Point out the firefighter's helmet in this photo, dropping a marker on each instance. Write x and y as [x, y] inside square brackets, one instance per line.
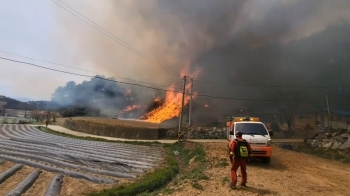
[238, 134]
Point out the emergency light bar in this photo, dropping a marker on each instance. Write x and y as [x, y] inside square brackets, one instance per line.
[253, 119]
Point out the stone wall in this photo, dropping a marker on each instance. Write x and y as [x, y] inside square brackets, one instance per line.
[200, 133]
[335, 140]
[117, 131]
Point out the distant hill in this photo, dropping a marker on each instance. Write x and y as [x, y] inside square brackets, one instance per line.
[22, 105]
[12, 103]
[24, 99]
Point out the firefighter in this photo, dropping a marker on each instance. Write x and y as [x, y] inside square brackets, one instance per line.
[240, 152]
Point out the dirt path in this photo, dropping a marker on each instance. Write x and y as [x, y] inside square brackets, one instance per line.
[289, 174]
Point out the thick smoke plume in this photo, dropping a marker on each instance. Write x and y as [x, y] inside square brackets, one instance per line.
[235, 42]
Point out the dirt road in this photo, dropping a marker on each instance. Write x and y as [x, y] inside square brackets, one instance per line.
[289, 174]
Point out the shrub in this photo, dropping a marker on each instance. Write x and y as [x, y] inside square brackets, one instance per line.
[338, 156]
[71, 112]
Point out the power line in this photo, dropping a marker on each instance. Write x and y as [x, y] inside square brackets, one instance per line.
[51, 62]
[164, 85]
[140, 85]
[83, 75]
[115, 38]
[262, 85]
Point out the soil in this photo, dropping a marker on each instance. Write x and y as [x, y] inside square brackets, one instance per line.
[41, 184]
[70, 187]
[289, 173]
[14, 180]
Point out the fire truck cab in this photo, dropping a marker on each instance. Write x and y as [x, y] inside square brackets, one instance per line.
[254, 132]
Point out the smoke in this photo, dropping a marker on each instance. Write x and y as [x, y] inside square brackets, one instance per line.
[233, 41]
[98, 96]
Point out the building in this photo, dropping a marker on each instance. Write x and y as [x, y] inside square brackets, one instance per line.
[17, 113]
[307, 115]
[11, 112]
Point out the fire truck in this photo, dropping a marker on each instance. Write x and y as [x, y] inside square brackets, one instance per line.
[254, 132]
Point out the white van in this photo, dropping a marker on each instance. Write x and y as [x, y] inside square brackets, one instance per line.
[254, 132]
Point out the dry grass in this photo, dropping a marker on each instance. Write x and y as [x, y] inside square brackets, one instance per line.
[108, 121]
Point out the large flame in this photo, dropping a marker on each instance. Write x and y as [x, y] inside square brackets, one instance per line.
[171, 106]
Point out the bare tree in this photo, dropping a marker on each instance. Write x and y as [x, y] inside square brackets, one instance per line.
[54, 113]
[36, 114]
[48, 115]
[287, 103]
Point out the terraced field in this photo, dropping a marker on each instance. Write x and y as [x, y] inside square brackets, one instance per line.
[33, 162]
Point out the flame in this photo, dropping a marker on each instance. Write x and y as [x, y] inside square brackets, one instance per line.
[129, 108]
[171, 106]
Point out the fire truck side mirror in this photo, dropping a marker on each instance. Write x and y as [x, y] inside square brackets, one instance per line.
[271, 133]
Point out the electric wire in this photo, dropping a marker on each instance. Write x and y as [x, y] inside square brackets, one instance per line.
[140, 85]
[105, 32]
[166, 84]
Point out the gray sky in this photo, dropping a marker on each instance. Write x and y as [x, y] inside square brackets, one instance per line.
[29, 28]
[174, 33]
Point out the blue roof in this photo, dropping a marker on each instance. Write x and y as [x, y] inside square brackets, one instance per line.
[335, 111]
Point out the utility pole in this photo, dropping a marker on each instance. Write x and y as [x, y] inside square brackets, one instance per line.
[190, 110]
[329, 113]
[182, 107]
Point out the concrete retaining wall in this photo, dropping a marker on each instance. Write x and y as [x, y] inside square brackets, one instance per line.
[117, 131]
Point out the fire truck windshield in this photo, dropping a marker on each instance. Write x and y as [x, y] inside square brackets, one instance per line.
[251, 129]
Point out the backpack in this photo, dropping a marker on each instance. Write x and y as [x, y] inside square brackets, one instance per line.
[242, 149]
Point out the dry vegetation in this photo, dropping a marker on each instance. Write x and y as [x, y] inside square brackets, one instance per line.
[108, 121]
